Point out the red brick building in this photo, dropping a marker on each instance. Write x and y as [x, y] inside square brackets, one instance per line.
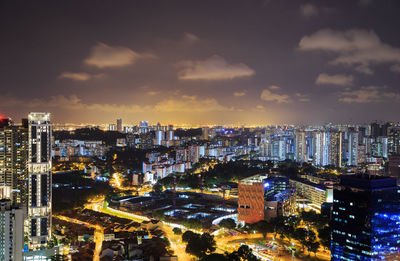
[251, 203]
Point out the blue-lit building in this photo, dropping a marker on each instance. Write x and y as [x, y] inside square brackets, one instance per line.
[365, 218]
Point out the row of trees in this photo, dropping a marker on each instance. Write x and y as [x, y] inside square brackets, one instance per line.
[289, 228]
[203, 246]
[309, 229]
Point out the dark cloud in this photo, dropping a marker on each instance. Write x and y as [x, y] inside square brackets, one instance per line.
[210, 62]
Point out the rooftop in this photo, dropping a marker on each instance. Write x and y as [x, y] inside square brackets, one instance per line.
[367, 181]
[259, 178]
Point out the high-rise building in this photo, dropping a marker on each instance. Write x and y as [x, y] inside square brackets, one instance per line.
[11, 231]
[159, 137]
[365, 218]
[301, 155]
[335, 149]
[119, 125]
[13, 159]
[112, 127]
[170, 134]
[143, 127]
[38, 222]
[352, 151]
[205, 133]
[321, 148]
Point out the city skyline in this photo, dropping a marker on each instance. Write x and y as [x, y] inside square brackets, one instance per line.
[248, 63]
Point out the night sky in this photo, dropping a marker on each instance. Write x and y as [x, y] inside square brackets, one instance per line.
[201, 62]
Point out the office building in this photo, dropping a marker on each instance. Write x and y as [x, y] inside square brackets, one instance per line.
[11, 231]
[365, 218]
[262, 198]
[394, 166]
[38, 222]
[312, 194]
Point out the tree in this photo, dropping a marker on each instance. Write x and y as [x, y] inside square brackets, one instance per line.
[215, 257]
[227, 223]
[58, 257]
[245, 253]
[313, 219]
[177, 231]
[313, 247]
[188, 235]
[307, 239]
[159, 214]
[300, 234]
[200, 245]
[324, 235]
[192, 223]
[263, 227]
[157, 188]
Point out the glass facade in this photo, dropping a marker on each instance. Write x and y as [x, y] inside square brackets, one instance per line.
[365, 218]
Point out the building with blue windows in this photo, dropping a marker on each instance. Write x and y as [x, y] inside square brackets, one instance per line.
[366, 218]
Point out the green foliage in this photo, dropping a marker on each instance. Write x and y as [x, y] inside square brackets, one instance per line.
[192, 223]
[214, 257]
[244, 253]
[288, 168]
[263, 227]
[159, 214]
[157, 188]
[227, 223]
[58, 257]
[188, 235]
[324, 235]
[199, 245]
[177, 231]
[66, 198]
[307, 239]
[313, 219]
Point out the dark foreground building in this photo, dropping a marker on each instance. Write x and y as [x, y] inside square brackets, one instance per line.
[366, 219]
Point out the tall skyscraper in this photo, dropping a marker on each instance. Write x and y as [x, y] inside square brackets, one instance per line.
[170, 135]
[11, 231]
[365, 218]
[205, 133]
[301, 155]
[335, 148]
[13, 159]
[159, 137]
[38, 222]
[119, 125]
[321, 148]
[352, 148]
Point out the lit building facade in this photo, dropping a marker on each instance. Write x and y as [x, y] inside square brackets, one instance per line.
[11, 231]
[13, 158]
[38, 222]
[365, 218]
[263, 198]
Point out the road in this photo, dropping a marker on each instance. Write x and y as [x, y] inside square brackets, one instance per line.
[176, 244]
[98, 234]
[224, 243]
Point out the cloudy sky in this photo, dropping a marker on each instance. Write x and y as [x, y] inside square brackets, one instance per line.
[201, 62]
